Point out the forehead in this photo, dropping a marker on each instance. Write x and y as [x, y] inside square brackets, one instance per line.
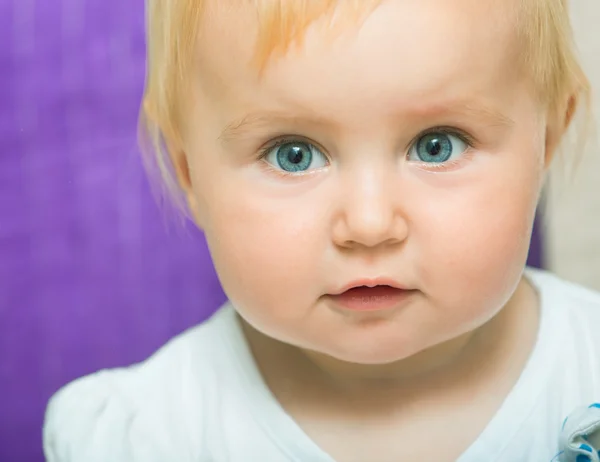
[403, 49]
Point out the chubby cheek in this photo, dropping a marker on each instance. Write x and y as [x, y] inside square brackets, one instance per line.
[266, 250]
[475, 244]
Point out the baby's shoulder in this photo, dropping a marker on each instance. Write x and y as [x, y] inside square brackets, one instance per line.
[577, 301]
[574, 386]
[145, 412]
[559, 294]
[571, 316]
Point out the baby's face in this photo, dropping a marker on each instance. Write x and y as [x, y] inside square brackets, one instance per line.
[410, 149]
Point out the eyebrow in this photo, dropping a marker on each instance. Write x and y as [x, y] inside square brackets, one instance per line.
[489, 114]
[263, 119]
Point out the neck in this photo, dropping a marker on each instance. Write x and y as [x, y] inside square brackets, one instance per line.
[421, 367]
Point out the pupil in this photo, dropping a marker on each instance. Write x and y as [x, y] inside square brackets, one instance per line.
[295, 155]
[434, 147]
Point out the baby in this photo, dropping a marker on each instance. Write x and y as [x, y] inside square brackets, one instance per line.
[366, 174]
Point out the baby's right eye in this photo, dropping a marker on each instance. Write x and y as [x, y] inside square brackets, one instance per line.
[295, 156]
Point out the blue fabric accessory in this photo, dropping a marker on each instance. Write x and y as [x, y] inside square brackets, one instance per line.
[580, 436]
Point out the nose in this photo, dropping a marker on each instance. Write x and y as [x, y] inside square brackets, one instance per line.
[370, 214]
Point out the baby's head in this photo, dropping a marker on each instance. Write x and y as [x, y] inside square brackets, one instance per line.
[320, 144]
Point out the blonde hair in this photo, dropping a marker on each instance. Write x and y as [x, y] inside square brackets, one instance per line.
[172, 28]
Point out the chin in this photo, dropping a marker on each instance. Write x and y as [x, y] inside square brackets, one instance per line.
[375, 354]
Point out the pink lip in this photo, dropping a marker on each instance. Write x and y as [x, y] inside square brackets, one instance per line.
[371, 295]
[369, 283]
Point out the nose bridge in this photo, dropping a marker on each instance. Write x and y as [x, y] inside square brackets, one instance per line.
[368, 186]
[370, 206]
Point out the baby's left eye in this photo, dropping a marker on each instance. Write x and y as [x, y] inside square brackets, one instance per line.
[437, 147]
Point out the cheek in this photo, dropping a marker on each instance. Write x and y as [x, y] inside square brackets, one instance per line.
[265, 249]
[478, 238]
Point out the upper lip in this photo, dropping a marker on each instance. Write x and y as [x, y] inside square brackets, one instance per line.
[369, 282]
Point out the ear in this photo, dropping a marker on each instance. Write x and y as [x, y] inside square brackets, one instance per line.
[181, 165]
[558, 122]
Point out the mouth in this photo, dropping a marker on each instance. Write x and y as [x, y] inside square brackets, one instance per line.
[371, 296]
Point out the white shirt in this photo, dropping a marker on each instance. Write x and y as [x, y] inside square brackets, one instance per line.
[201, 398]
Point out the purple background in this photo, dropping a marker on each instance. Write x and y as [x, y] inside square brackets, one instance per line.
[91, 273]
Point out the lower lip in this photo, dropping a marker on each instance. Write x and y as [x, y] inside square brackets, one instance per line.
[371, 298]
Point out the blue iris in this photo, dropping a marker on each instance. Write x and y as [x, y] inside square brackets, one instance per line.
[294, 157]
[434, 148]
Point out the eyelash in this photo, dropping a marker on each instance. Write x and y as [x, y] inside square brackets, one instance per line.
[469, 140]
[464, 136]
